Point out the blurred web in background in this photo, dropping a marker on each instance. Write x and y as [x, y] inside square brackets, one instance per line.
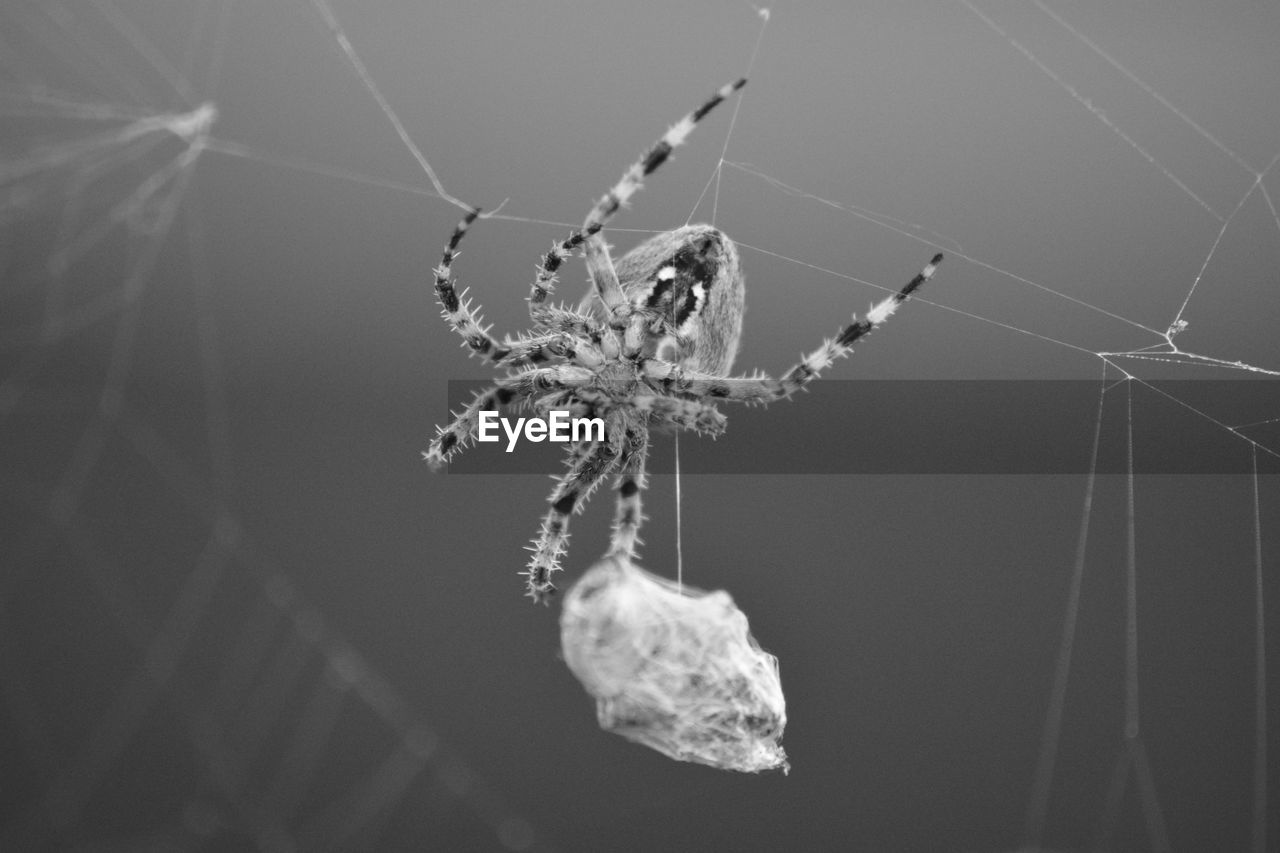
[104, 131]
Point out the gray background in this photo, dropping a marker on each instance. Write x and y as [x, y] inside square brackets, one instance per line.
[236, 609]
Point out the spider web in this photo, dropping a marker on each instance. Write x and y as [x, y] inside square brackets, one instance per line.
[235, 613]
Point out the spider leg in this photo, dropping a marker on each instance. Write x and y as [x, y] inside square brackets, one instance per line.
[702, 418]
[602, 274]
[605, 279]
[571, 322]
[632, 480]
[516, 388]
[454, 438]
[695, 415]
[539, 349]
[759, 388]
[465, 319]
[458, 312]
[589, 464]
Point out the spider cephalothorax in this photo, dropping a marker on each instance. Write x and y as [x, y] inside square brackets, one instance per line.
[650, 346]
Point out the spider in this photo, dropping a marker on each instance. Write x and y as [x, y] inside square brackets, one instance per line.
[650, 346]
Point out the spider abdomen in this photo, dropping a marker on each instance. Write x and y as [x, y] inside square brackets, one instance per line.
[690, 283]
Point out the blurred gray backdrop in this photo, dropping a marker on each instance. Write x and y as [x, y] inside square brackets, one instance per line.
[237, 612]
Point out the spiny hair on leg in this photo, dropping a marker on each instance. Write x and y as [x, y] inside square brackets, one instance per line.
[629, 184]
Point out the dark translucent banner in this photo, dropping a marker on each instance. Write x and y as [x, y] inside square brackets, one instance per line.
[950, 427]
